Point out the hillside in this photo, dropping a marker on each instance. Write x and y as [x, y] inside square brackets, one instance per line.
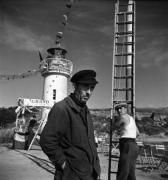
[150, 121]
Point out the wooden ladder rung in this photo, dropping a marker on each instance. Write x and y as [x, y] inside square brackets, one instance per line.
[124, 54]
[126, 12]
[123, 89]
[124, 43]
[122, 77]
[124, 22]
[121, 101]
[124, 33]
[129, 4]
[123, 65]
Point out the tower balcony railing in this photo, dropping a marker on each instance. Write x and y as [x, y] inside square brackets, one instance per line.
[56, 65]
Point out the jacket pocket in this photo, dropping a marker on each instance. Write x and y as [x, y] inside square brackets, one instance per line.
[69, 174]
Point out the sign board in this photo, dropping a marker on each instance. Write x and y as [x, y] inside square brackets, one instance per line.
[33, 102]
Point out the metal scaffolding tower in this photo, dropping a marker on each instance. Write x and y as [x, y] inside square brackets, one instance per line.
[123, 67]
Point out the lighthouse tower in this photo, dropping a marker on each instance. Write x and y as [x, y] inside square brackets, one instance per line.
[56, 70]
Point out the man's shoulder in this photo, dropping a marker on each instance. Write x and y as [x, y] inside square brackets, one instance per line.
[62, 103]
[125, 118]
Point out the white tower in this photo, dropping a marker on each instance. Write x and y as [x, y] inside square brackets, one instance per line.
[55, 69]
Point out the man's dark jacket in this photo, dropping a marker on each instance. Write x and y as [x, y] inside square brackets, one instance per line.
[68, 136]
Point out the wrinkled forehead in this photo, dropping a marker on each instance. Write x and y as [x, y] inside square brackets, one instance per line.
[85, 85]
[88, 85]
[121, 107]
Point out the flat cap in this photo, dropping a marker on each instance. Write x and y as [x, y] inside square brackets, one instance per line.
[121, 105]
[84, 77]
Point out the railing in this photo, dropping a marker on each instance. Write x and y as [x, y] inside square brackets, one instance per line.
[56, 64]
[153, 156]
[104, 149]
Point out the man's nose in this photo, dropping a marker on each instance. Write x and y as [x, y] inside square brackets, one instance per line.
[89, 90]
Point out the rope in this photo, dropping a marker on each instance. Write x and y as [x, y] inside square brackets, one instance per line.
[65, 17]
[20, 75]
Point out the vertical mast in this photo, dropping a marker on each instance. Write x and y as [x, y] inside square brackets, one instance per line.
[123, 65]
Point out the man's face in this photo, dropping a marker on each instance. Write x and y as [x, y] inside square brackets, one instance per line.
[122, 110]
[83, 92]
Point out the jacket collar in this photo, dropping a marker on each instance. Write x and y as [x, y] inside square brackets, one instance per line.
[73, 105]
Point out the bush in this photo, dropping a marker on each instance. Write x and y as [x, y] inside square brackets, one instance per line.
[6, 135]
[7, 116]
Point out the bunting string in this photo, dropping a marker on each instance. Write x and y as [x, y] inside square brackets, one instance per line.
[19, 75]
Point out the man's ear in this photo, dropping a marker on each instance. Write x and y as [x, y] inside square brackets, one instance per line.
[74, 85]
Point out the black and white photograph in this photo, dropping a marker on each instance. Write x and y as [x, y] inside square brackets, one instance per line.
[83, 90]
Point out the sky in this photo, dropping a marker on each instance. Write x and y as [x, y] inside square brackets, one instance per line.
[29, 26]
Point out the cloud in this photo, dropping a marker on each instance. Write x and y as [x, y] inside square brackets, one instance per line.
[22, 38]
[152, 48]
[91, 18]
[151, 57]
[106, 29]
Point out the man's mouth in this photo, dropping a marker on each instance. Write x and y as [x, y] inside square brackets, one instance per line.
[85, 98]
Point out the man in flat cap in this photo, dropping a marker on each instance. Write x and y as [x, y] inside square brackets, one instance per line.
[68, 136]
[128, 148]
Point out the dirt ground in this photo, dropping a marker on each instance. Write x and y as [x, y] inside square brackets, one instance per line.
[34, 165]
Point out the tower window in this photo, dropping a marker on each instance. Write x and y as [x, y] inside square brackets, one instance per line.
[54, 94]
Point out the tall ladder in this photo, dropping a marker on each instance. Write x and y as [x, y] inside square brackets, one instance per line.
[123, 67]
